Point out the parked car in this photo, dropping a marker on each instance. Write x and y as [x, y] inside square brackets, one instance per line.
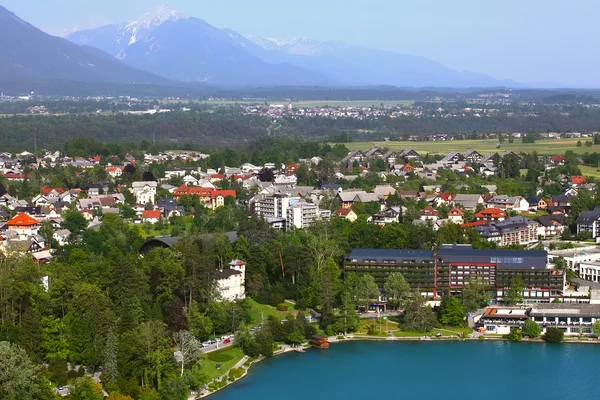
[217, 340]
[227, 341]
[205, 344]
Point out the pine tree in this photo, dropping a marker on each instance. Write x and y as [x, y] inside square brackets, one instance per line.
[110, 357]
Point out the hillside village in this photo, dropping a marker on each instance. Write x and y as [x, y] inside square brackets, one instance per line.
[464, 189]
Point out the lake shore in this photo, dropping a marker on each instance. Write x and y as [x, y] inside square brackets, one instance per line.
[366, 338]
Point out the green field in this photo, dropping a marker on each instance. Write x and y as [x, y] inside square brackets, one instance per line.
[543, 147]
[350, 103]
[589, 171]
[227, 358]
[314, 103]
[259, 311]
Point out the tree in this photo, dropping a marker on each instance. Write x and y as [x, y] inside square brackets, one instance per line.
[596, 328]
[47, 232]
[367, 290]
[396, 289]
[74, 222]
[110, 370]
[418, 316]
[473, 295]
[452, 312]
[531, 329]
[85, 388]
[17, 374]
[514, 295]
[188, 347]
[515, 335]
[118, 396]
[554, 335]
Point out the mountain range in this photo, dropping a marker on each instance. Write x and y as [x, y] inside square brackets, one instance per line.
[165, 47]
[168, 44]
[28, 54]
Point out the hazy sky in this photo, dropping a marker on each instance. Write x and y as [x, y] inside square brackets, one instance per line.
[531, 41]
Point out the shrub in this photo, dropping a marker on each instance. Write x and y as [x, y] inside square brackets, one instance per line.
[282, 307]
[554, 335]
[481, 337]
[515, 335]
[531, 329]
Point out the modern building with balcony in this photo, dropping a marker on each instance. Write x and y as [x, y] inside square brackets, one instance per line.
[447, 270]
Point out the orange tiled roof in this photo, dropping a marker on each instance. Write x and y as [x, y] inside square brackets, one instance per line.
[23, 219]
[151, 214]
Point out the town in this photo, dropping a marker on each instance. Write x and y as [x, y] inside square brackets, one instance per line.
[321, 238]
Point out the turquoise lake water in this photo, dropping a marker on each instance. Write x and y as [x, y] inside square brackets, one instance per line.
[432, 370]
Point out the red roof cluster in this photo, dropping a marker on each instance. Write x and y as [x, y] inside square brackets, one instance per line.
[577, 179]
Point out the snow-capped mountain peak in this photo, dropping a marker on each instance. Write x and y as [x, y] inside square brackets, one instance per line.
[139, 28]
[157, 17]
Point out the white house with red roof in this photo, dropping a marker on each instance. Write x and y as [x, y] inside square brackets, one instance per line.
[23, 225]
[152, 216]
[428, 213]
[456, 215]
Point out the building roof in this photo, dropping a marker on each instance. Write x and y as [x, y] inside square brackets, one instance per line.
[388, 254]
[226, 273]
[562, 309]
[429, 212]
[511, 259]
[456, 212]
[588, 217]
[491, 213]
[22, 219]
[151, 214]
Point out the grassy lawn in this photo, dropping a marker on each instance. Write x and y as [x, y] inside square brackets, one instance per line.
[589, 171]
[446, 331]
[543, 147]
[227, 358]
[257, 311]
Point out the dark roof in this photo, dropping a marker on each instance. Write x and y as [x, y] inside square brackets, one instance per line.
[510, 259]
[533, 199]
[546, 220]
[388, 254]
[504, 259]
[330, 186]
[226, 273]
[588, 217]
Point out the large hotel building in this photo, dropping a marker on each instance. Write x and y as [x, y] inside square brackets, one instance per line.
[446, 271]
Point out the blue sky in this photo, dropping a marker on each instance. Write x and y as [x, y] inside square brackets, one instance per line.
[531, 41]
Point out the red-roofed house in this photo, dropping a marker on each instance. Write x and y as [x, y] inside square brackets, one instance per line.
[407, 167]
[115, 172]
[428, 213]
[490, 214]
[214, 178]
[211, 198]
[577, 180]
[24, 225]
[444, 199]
[456, 215]
[558, 160]
[291, 167]
[152, 216]
[52, 192]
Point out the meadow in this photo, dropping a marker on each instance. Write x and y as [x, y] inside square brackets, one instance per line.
[484, 146]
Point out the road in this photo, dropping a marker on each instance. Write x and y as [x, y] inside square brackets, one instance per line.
[217, 346]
